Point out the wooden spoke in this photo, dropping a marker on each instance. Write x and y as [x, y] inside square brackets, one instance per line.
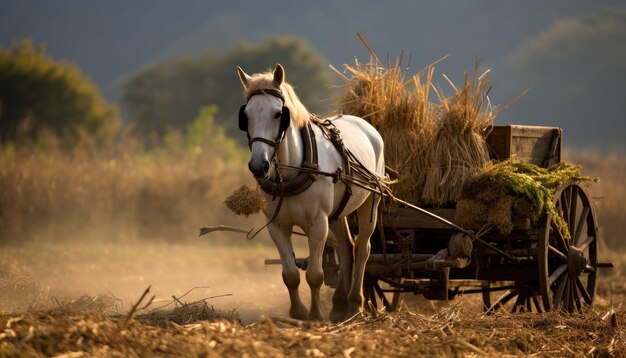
[565, 204]
[570, 302]
[583, 290]
[581, 222]
[374, 293]
[560, 240]
[566, 295]
[558, 272]
[556, 251]
[559, 292]
[381, 294]
[583, 245]
[537, 305]
[572, 208]
[519, 303]
[576, 296]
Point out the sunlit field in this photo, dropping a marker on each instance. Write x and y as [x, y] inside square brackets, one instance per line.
[97, 229]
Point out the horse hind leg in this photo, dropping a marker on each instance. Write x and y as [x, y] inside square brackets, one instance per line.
[341, 233]
[291, 274]
[367, 223]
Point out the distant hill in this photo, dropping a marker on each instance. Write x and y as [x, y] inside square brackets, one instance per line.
[114, 38]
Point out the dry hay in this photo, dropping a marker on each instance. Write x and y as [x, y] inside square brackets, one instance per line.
[458, 151]
[485, 202]
[245, 201]
[513, 189]
[452, 331]
[399, 109]
[435, 147]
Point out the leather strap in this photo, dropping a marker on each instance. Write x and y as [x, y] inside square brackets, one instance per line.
[334, 135]
[303, 180]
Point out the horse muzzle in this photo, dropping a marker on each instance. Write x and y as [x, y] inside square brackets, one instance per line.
[259, 168]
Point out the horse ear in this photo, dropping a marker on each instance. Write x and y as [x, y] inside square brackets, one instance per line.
[279, 75]
[243, 77]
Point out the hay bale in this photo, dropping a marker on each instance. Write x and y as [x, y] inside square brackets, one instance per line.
[523, 208]
[500, 215]
[246, 201]
[484, 188]
[471, 213]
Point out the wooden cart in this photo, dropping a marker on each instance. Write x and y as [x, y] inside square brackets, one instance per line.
[535, 268]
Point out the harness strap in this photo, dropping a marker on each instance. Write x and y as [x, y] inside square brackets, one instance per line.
[303, 180]
[332, 133]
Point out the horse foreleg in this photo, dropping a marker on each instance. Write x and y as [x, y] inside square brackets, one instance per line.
[367, 224]
[345, 252]
[291, 276]
[317, 231]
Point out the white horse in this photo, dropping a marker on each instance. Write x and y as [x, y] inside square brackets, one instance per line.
[273, 118]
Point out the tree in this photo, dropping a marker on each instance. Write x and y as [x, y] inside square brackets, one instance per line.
[37, 93]
[168, 95]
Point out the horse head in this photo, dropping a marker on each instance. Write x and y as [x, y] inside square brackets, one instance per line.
[264, 117]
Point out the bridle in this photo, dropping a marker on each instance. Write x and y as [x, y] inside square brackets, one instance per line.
[285, 120]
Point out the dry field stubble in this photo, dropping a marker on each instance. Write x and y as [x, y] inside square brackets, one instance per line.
[40, 279]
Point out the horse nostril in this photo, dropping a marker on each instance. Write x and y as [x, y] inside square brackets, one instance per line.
[250, 167]
[266, 166]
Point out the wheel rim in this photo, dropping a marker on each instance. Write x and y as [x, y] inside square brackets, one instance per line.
[568, 267]
[379, 296]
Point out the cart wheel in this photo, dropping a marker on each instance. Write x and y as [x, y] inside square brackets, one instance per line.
[380, 296]
[517, 298]
[568, 267]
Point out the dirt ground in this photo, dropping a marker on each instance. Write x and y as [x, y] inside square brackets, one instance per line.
[74, 299]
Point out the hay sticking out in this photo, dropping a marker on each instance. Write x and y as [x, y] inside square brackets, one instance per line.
[245, 201]
[399, 109]
[458, 150]
[435, 147]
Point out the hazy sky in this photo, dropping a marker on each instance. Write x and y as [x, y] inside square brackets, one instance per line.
[572, 53]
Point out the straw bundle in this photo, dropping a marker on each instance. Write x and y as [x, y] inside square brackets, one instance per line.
[399, 109]
[458, 151]
[435, 147]
[245, 201]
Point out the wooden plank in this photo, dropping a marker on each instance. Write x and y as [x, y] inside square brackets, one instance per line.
[405, 218]
[533, 144]
[498, 141]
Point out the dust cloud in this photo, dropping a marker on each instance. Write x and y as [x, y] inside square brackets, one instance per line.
[41, 274]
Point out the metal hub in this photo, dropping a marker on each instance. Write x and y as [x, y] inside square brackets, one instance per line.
[576, 261]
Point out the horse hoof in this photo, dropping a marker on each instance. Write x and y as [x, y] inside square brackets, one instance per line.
[353, 310]
[337, 316]
[299, 312]
[316, 316]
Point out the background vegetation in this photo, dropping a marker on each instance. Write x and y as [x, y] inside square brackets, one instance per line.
[166, 96]
[38, 94]
[71, 172]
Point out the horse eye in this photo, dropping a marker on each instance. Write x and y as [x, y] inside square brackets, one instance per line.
[277, 115]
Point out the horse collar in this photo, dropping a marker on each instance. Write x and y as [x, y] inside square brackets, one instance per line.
[302, 181]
